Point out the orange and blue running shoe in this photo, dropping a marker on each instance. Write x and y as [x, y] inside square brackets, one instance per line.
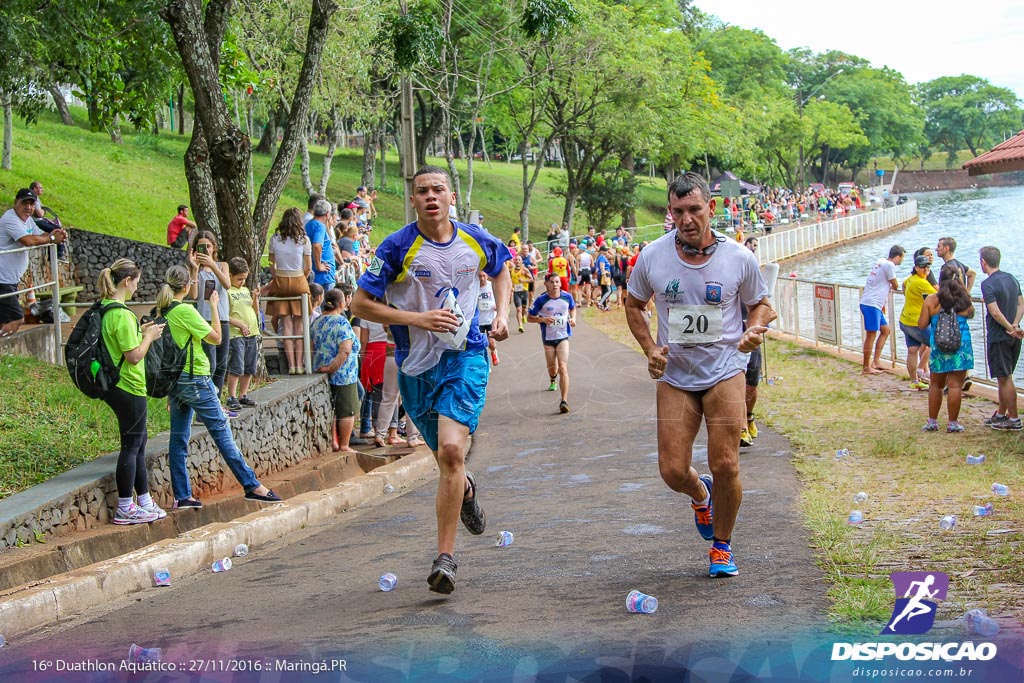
[722, 563]
[703, 515]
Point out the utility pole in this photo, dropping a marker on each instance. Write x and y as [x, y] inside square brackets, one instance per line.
[407, 152]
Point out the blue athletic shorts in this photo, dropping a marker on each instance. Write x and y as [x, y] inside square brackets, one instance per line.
[874, 319]
[456, 388]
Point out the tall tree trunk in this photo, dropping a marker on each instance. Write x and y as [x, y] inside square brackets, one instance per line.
[307, 182]
[529, 182]
[181, 109]
[370, 138]
[334, 132]
[115, 130]
[383, 147]
[61, 104]
[629, 213]
[268, 141]
[5, 158]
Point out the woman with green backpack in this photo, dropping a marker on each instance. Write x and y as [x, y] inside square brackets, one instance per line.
[127, 345]
[194, 392]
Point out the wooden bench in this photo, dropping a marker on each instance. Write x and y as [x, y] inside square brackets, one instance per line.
[68, 295]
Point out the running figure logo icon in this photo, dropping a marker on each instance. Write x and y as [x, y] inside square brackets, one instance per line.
[914, 611]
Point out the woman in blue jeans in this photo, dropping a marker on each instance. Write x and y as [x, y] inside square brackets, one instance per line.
[196, 393]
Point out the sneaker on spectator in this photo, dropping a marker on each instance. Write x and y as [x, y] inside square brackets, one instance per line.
[233, 404]
[1009, 424]
[134, 515]
[995, 418]
[246, 401]
[930, 426]
[154, 509]
[230, 414]
[954, 427]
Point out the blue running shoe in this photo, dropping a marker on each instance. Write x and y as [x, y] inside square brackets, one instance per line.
[702, 514]
[722, 563]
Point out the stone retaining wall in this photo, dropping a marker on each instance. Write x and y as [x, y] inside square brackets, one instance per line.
[292, 423]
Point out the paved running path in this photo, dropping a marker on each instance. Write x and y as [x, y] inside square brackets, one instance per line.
[592, 520]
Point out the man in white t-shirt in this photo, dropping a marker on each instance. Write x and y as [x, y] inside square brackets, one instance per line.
[698, 279]
[881, 280]
[487, 309]
[555, 310]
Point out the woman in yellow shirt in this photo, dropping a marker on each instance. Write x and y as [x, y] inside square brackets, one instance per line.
[916, 289]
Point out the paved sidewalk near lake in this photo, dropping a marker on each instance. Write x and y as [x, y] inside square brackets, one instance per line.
[592, 520]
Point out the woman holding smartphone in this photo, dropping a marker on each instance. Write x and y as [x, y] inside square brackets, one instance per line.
[127, 345]
[209, 276]
[195, 393]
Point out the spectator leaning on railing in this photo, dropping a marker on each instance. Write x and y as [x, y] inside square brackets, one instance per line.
[17, 230]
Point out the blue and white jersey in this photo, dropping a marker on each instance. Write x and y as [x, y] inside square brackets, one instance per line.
[413, 273]
[546, 307]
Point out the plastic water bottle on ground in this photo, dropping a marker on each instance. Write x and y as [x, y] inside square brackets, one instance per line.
[505, 539]
[387, 582]
[222, 565]
[3, 641]
[983, 510]
[241, 550]
[842, 452]
[855, 518]
[138, 654]
[162, 577]
[979, 622]
[976, 459]
[947, 522]
[641, 603]
[1001, 489]
[860, 497]
[388, 488]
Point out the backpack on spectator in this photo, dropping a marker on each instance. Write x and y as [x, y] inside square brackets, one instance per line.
[947, 332]
[86, 357]
[165, 360]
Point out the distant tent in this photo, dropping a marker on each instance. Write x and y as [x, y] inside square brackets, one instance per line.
[745, 187]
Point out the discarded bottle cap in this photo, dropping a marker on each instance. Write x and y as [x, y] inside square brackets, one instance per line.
[241, 550]
[860, 497]
[162, 577]
[641, 603]
[139, 654]
[947, 522]
[388, 488]
[505, 539]
[222, 565]
[387, 582]
[856, 517]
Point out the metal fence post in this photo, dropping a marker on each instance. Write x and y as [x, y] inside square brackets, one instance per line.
[305, 334]
[58, 356]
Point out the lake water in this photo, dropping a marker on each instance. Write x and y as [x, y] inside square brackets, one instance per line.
[974, 218]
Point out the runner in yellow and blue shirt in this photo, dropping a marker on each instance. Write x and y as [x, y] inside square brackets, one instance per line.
[424, 283]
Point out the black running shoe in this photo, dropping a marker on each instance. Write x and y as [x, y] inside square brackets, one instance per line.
[442, 574]
[472, 515]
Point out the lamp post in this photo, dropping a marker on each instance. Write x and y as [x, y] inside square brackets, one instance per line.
[804, 101]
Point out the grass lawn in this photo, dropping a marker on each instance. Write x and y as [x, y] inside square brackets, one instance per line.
[47, 426]
[912, 479]
[132, 190]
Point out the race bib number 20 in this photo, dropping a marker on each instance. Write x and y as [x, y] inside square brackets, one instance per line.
[697, 324]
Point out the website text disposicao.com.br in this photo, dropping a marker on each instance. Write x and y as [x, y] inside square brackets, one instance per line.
[908, 672]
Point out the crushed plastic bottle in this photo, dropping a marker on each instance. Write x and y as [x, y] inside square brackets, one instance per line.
[1001, 489]
[641, 603]
[947, 522]
[855, 518]
[222, 565]
[161, 577]
[976, 459]
[241, 550]
[505, 539]
[842, 452]
[860, 497]
[387, 582]
[138, 654]
[978, 621]
[3, 641]
[983, 510]
[388, 488]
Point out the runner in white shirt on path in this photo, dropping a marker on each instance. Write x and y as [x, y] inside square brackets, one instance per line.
[555, 310]
[486, 311]
[698, 279]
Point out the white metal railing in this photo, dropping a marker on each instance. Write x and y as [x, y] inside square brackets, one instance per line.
[794, 301]
[305, 336]
[54, 285]
[813, 236]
